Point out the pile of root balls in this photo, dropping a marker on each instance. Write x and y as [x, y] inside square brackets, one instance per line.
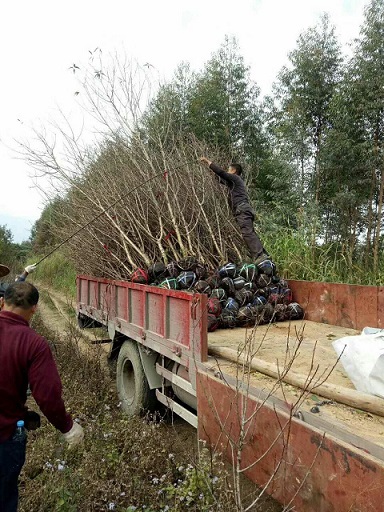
[238, 295]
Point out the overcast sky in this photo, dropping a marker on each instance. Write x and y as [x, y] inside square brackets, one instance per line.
[40, 40]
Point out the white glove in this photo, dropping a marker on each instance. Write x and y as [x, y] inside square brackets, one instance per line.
[30, 268]
[75, 436]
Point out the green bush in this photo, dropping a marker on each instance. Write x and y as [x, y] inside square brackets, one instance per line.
[297, 258]
[57, 272]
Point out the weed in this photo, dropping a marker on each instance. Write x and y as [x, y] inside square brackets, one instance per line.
[195, 487]
[44, 295]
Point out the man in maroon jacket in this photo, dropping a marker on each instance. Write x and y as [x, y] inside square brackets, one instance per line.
[25, 357]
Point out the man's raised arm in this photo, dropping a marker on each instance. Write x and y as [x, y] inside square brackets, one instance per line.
[219, 171]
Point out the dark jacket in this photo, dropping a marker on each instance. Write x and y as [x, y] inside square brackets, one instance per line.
[4, 286]
[237, 190]
[26, 357]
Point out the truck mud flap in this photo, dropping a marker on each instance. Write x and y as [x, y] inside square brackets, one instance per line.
[86, 322]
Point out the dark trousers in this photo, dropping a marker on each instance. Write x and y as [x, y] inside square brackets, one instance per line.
[12, 458]
[245, 221]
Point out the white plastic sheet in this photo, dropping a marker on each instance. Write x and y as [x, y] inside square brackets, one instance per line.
[362, 357]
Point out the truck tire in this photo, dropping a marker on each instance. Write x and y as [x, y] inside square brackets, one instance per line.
[132, 385]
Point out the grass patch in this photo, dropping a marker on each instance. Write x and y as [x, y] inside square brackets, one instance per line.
[68, 309]
[56, 272]
[297, 258]
[46, 298]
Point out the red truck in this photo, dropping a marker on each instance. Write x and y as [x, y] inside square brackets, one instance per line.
[307, 453]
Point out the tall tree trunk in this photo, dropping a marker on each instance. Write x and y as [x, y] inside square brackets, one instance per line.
[317, 178]
[378, 223]
[368, 243]
[371, 196]
[326, 234]
[318, 142]
[352, 237]
[302, 178]
[379, 199]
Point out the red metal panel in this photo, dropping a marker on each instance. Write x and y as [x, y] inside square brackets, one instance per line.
[322, 300]
[154, 313]
[82, 290]
[316, 473]
[365, 300]
[94, 294]
[167, 320]
[199, 327]
[136, 307]
[121, 295]
[308, 295]
[380, 307]
[352, 306]
[345, 302]
[105, 298]
[178, 321]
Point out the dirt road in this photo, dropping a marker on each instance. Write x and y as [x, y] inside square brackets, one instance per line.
[58, 314]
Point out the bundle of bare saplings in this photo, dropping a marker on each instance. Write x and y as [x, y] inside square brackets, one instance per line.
[239, 295]
[143, 203]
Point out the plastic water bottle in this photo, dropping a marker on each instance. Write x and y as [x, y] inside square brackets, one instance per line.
[20, 434]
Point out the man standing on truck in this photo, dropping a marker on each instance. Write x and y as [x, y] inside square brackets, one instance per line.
[25, 357]
[241, 207]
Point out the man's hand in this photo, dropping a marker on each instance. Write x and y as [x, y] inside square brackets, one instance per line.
[205, 161]
[30, 268]
[75, 436]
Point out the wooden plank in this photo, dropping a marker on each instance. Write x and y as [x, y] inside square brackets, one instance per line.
[351, 397]
[329, 426]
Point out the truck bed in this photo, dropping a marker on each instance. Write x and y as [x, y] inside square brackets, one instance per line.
[277, 343]
[342, 470]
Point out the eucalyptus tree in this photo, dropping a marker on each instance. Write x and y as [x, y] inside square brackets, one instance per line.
[303, 93]
[352, 159]
[224, 107]
[366, 77]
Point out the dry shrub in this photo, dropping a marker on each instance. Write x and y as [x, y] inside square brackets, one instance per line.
[180, 212]
[141, 192]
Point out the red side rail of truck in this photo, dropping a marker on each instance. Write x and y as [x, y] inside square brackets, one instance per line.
[171, 322]
[162, 344]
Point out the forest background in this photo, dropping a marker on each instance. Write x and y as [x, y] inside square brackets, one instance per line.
[312, 150]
